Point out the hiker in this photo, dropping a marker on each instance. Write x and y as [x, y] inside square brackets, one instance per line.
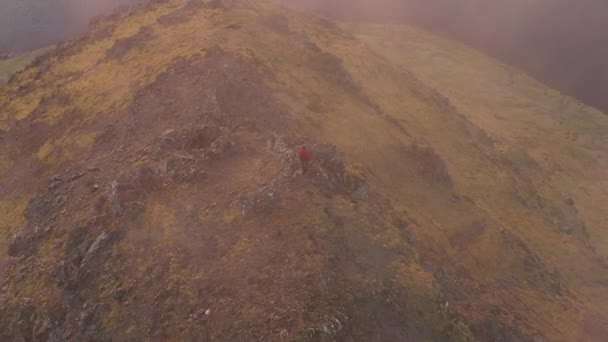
[305, 157]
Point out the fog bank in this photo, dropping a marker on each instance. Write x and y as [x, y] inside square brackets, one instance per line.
[31, 24]
[563, 43]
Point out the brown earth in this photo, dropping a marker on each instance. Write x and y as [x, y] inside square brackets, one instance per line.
[150, 191]
[254, 249]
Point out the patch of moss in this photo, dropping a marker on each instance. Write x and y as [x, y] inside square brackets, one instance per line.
[521, 158]
[231, 214]
[241, 248]
[162, 216]
[5, 163]
[13, 65]
[580, 155]
[205, 215]
[11, 214]
[66, 148]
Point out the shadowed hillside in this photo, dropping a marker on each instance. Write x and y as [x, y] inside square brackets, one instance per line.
[150, 187]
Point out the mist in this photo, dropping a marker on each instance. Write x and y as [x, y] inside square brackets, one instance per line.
[31, 24]
[563, 43]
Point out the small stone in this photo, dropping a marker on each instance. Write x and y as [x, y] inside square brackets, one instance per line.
[60, 200]
[207, 312]
[93, 248]
[77, 176]
[54, 183]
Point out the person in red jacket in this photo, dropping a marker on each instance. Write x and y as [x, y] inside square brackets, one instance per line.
[305, 157]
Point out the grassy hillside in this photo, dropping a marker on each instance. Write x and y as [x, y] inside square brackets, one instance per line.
[539, 130]
[556, 147]
[150, 187]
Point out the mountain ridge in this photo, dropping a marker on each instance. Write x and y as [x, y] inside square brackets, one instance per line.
[162, 197]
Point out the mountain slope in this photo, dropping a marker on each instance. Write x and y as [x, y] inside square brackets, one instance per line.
[150, 190]
[555, 146]
[557, 41]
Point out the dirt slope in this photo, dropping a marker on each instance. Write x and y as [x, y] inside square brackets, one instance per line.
[150, 190]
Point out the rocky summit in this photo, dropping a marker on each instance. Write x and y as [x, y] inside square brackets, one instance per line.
[150, 187]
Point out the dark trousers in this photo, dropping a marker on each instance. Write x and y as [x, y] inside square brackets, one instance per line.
[304, 165]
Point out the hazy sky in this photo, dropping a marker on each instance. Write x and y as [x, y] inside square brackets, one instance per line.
[30, 24]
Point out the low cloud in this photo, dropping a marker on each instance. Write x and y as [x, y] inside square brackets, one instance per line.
[31, 24]
[561, 42]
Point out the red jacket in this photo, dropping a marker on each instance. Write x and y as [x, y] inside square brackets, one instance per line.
[305, 154]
